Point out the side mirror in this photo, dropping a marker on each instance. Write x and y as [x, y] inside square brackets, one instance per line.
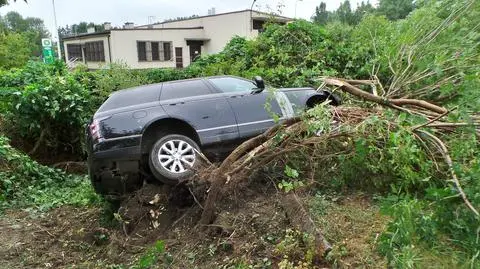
[259, 82]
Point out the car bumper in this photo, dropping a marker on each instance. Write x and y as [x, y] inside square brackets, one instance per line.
[115, 170]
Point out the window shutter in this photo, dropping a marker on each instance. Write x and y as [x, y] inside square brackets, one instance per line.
[167, 51]
[142, 51]
[155, 51]
[149, 51]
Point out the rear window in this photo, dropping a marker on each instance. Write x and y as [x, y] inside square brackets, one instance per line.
[135, 96]
[184, 89]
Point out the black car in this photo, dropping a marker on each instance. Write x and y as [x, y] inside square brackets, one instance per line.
[161, 129]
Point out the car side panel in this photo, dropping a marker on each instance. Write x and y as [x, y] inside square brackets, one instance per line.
[252, 116]
[124, 128]
[210, 115]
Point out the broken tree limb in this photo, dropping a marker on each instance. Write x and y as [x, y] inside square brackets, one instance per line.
[344, 85]
[300, 219]
[432, 120]
[449, 162]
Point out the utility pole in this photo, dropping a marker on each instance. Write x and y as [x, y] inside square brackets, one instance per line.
[251, 15]
[296, 1]
[56, 30]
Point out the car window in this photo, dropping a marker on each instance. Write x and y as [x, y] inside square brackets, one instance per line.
[135, 96]
[229, 84]
[183, 89]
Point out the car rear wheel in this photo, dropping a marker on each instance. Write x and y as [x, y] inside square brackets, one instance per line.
[173, 157]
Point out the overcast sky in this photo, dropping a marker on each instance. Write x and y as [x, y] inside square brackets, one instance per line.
[139, 11]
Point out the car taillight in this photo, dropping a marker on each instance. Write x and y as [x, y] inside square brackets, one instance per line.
[95, 130]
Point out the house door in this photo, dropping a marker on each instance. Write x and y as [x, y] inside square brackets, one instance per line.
[195, 49]
[179, 57]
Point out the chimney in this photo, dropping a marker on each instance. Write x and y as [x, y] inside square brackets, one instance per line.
[107, 26]
[128, 25]
[90, 30]
[211, 11]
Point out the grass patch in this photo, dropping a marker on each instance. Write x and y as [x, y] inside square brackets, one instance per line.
[352, 225]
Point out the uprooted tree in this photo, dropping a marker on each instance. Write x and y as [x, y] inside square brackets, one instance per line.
[323, 136]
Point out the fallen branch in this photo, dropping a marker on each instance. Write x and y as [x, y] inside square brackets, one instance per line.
[431, 121]
[449, 162]
[344, 85]
[301, 220]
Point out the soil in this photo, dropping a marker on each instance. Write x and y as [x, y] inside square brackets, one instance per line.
[248, 231]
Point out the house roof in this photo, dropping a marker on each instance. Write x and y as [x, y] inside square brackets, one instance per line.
[77, 36]
[107, 32]
[220, 14]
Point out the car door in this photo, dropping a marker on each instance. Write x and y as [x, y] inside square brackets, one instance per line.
[253, 116]
[206, 110]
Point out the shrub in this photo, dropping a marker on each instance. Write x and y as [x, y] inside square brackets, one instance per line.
[24, 182]
[45, 104]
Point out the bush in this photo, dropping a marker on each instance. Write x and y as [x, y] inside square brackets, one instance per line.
[101, 83]
[15, 50]
[24, 182]
[45, 104]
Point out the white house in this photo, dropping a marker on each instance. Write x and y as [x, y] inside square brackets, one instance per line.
[168, 44]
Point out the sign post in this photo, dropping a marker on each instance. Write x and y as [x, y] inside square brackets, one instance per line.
[47, 50]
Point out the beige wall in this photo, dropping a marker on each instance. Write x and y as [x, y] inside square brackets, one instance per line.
[83, 40]
[220, 28]
[217, 31]
[124, 45]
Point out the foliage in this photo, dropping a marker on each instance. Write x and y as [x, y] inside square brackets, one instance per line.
[296, 249]
[292, 55]
[153, 255]
[395, 9]
[425, 56]
[15, 50]
[344, 13]
[79, 28]
[399, 43]
[321, 14]
[45, 99]
[5, 2]
[30, 27]
[103, 82]
[24, 182]
[387, 159]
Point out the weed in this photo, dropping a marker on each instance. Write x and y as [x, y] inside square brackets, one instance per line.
[153, 255]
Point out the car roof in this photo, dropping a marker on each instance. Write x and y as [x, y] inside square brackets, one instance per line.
[171, 81]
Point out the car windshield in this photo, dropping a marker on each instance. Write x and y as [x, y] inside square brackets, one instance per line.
[230, 84]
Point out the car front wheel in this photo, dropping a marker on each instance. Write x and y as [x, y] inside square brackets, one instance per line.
[173, 157]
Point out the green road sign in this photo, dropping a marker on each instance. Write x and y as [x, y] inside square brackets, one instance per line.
[48, 56]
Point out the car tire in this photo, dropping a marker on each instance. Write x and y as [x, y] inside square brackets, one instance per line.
[173, 157]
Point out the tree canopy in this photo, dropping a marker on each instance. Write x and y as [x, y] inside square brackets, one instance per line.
[347, 14]
[20, 38]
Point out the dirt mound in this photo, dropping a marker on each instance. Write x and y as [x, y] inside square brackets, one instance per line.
[154, 209]
[251, 229]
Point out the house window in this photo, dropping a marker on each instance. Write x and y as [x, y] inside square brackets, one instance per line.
[258, 25]
[94, 51]
[149, 51]
[74, 52]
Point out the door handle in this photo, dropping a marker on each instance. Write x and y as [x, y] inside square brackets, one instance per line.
[235, 96]
[174, 104]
